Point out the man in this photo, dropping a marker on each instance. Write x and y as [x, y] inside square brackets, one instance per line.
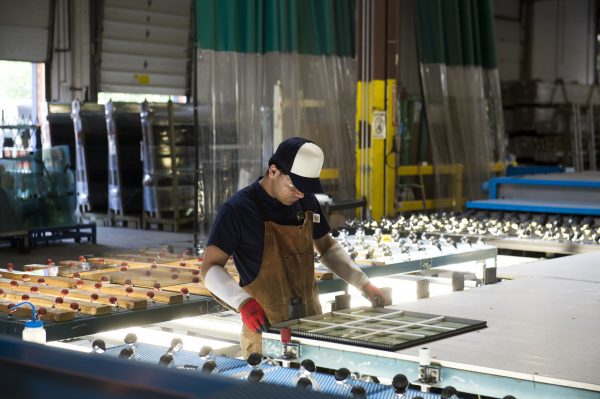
[271, 228]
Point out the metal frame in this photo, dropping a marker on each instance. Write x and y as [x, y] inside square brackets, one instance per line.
[337, 284]
[496, 181]
[367, 330]
[531, 245]
[559, 181]
[75, 232]
[166, 204]
[533, 206]
[124, 194]
[120, 318]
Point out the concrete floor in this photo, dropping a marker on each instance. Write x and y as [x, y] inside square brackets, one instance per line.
[109, 240]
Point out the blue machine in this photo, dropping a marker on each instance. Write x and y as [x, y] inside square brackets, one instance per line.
[531, 170]
[560, 193]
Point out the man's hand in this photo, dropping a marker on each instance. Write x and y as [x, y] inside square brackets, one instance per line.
[254, 316]
[374, 294]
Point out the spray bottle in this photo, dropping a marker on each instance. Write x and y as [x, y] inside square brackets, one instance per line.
[34, 329]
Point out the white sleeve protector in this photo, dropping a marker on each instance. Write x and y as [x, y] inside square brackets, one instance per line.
[338, 261]
[221, 284]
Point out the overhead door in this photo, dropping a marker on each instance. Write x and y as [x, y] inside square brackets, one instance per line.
[24, 30]
[144, 47]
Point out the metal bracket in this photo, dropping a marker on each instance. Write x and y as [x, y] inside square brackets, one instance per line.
[290, 351]
[425, 264]
[429, 375]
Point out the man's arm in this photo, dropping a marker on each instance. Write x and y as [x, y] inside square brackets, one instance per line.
[222, 285]
[213, 256]
[338, 261]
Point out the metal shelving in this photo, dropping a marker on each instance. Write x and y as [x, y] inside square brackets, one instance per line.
[124, 162]
[91, 147]
[169, 157]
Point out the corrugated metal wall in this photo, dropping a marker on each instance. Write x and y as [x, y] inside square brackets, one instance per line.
[509, 46]
[563, 41]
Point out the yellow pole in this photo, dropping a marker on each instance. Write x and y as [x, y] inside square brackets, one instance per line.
[375, 159]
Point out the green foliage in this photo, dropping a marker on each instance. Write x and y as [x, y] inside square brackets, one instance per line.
[15, 82]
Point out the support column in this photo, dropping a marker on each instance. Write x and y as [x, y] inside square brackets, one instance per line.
[375, 118]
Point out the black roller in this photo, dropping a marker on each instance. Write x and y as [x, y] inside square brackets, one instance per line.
[205, 351]
[342, 374]
[308, 365]
[130, 339]
[209, 366]
[165, 360]
[358, 392]
[99, 346]
[126, 353]
[400, 382]
[509, 397]
[256, 375]
[254, 359]
[417, 397]
[304, 383]
[448, 391]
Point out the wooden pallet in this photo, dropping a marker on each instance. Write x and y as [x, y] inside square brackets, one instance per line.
[50, 314]
[157, 295]
[75, 294]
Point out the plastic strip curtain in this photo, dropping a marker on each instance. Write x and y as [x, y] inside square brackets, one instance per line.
[365, 183]
[236, 96]
[461, 90]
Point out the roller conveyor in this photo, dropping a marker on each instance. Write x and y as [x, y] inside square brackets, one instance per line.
[526, 231]
[272, 374]
[37, 372]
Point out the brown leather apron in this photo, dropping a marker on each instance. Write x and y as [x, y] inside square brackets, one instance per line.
[286, 272]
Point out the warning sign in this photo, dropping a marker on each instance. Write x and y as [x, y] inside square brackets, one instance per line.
[378, 125]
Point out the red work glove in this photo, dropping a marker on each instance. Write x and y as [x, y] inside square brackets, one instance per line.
[254, 316]
[374, 294]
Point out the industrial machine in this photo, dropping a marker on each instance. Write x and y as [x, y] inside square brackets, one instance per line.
[502, 335]
[556, 193]
[537, 343]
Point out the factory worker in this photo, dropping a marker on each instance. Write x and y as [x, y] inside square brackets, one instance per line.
[270, 228]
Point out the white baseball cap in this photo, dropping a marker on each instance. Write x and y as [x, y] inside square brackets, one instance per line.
[302, 160]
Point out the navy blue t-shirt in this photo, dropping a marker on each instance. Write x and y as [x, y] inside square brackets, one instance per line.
[239, 227]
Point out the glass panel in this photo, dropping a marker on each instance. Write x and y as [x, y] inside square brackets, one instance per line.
[379, 328]
[37, 189]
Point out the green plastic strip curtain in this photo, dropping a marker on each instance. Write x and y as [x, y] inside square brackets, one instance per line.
[457, 32]
[318, 27]
[461, 88]
[273, 65]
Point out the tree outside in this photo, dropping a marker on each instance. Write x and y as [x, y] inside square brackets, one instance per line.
[15, 90]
